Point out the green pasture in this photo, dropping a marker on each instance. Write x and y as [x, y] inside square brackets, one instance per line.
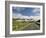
[25, 25]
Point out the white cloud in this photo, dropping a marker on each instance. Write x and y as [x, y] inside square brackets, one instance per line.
[36, 11]
[16, 15]
[36, 18]
[19, 9]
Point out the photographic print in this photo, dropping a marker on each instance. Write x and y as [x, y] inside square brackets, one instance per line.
[24, 18]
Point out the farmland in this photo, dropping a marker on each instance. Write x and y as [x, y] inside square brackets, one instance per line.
[25, 25]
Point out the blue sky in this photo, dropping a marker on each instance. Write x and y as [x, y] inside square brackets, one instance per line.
[25, 11]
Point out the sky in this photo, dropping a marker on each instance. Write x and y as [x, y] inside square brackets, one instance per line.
[25, 11]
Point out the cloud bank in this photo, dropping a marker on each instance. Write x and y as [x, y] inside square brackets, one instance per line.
[35, 11]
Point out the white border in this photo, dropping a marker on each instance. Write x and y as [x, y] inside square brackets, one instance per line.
[30, 31]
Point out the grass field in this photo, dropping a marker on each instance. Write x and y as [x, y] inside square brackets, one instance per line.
[25, 25]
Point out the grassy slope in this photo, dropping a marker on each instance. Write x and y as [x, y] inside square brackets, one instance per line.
[23, 25]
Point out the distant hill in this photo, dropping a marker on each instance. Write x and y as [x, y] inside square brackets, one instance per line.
[36, 18]
[38, 21]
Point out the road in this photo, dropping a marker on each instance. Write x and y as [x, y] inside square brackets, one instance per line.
[30, 26]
